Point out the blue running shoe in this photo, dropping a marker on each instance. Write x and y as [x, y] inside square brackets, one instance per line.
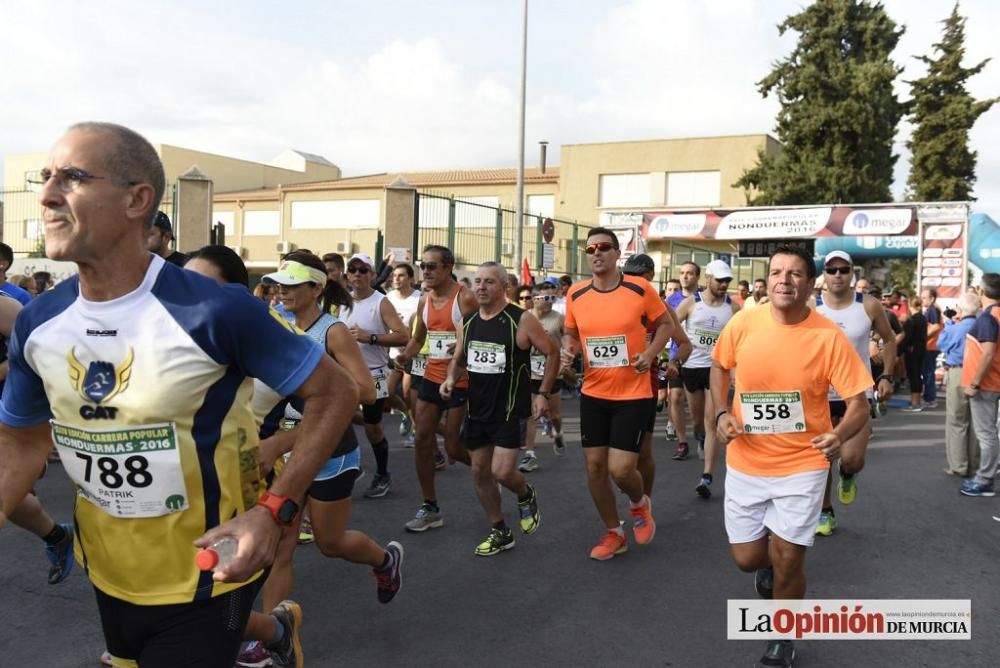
[60, 556]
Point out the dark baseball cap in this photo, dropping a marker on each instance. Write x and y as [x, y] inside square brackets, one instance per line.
[161, 221]
[639, 264]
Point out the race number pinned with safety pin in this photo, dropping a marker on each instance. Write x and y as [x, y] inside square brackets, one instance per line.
[772, 412]
[604, 352]
[538, 365]
[380, 377]
[486, 357]
[441, 345]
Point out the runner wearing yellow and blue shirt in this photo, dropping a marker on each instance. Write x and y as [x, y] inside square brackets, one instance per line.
[142, 373]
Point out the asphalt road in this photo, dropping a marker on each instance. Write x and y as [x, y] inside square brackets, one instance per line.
[909, 535]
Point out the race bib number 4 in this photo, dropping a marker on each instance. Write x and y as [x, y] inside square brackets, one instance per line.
[441, 344]
[607, 351]
[772, 412]
[486, 357]
[380, 377]
[130, 473]
[418, 365]
[538, 365]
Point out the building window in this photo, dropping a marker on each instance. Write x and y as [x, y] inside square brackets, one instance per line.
[336, 214]
[621, 190]
[261, 223]
[694, 189]
[228, 220]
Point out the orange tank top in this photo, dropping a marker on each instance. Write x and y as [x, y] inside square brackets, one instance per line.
[442, 334]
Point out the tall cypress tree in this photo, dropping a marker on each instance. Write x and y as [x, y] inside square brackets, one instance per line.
[838, 110]
[943, 168]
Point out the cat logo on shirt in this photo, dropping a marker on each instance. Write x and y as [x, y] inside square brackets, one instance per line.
[99, 383]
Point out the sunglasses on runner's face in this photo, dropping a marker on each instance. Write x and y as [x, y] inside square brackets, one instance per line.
[428, 266]
[838, 270]
[524, 297]
[357, 269]
[602, 246]
[545, 298]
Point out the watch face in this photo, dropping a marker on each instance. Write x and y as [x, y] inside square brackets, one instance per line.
[287, 511]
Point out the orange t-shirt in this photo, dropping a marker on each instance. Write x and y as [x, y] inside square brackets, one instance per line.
[986, 330]
[611, 329]
[783, 373]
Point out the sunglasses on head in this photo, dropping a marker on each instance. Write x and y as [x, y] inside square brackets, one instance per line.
[428, 266]
[357, 269]
[838, 270]
[601, 246]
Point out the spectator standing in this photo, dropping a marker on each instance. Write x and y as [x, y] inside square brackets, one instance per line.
[6, 287]
[981, 383]
[914, 349]
[928, 297]
[961, 444]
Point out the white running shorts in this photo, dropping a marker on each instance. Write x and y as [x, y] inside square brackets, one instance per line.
[787, 505]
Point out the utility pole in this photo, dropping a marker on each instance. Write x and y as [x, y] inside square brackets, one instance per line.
[519, 215]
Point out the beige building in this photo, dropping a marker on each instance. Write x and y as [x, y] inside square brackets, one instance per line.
[21, 215]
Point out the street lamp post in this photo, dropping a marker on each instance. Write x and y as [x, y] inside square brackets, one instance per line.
[519, 209]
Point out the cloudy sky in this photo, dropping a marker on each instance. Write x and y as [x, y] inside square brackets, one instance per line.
[388, 85]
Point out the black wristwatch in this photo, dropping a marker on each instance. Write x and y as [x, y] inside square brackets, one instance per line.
[884, 376]
[546, 393]
[373, 339]
[718, 415]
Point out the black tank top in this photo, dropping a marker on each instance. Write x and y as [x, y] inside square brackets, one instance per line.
[499, 388]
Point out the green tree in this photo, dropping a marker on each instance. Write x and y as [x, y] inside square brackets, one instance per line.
[838, 112]
[943, 168]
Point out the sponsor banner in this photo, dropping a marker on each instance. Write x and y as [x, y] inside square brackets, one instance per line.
[849, 619]
[943, 254]
[774, 223]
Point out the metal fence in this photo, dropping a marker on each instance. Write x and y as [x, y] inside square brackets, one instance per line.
[478, 232]
[21, 225]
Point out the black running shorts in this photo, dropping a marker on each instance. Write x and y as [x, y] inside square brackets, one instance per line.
[431, 393]
[615, 424]
[502, 434]
[200, 634]
[695, 379]
[372, 413]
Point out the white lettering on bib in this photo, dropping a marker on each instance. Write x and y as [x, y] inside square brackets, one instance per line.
[486, 357]
[380, 377]
[606, 351]
[418, 365]
[441, 345]
[130, 472]
[772, 412]
[538, 365]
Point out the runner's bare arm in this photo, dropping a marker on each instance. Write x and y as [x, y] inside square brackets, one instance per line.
[331, 397]
[570, 347]
[9, 308]
[340, 344]
[398, 335]
[664, 327]
[680, 337]
[726, 425]
[855, 419]
[880, 323]
[467, 301]
[531, 333]
[23, 451]
[273, 447]
[416, 341]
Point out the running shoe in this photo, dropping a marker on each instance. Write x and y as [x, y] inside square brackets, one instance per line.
[659, 406]
[558, 445]
[411, 440]
[388, 582]
[60, 556]
[682, 451]
[929, 404]
[778, 653]
[847, 489]
[379, 487]
[671, 433]
[912, 409]
[973, 488]
[497, 541]
[610, 545]
[405, 425]
[426, 518]
[530, 517]
[440, 463]
[701, 446]
[528, 464]
[288, 652]
[827, 524]
[253, 655]
[643, 524]
[546, 426]
[763, 582]
[306, 532]
[704, 488]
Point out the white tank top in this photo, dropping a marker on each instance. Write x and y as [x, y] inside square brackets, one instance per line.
[366, 314]
[406, 307]
[703, 326]
[857, 326]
